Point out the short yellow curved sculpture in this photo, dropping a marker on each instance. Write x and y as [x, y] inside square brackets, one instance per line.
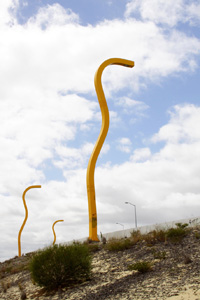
[99, 143]
[26, 216]
[54, 230]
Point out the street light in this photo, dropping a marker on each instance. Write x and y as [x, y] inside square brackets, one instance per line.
[135, 213]
[122, 226]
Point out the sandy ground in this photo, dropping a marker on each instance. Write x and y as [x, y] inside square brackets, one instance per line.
[175, 277]
[189, 294]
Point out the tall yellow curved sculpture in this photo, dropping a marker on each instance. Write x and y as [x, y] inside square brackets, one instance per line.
[26, 216]
[99, 143]
[54, 230]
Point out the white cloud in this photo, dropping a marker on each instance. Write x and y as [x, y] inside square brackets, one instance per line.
[70, 158]
[37, 125]
[166, 187]
[65, 58]
[168, 176]
[8, 12]
[30, 132]
[73, 157]
[157, 11]
[124, 145]
[53, 15]
[194, 13]
[135, 109]
[165, 12]
[125, 141]
[175, 132]
[141, 154]
[131, 106]
[105, 148]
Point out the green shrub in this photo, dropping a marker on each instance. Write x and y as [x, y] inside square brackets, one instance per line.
[141, 266]
[118, 245]
[151, 238]
[197, 235]
[58, 266]
[178, 233]
[136, 236]
[159, 254]
[160, 235]
[94, 247]
[180, 225]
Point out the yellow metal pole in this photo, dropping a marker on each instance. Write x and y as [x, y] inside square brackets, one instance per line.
[99, 142]
[54, 230]
[26, 216]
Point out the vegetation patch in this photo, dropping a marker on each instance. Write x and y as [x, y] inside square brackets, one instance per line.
[159, 235]
[59, 266]
[141, 266]
[136, 236]
[178, 233]
[197, 235]
[94, 247]
[159, 254]
[118, 245]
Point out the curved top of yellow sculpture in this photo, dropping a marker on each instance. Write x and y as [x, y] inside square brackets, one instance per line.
[99, 143]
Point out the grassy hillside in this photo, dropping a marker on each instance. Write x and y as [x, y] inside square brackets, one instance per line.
[157, 265]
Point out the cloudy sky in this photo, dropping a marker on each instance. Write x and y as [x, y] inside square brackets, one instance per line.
[50, 117]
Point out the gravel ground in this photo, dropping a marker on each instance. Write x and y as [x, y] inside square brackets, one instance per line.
[175, 277]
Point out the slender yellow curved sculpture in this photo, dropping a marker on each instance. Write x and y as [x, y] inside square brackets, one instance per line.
[54, 230]
[99, 142]
[26, 216]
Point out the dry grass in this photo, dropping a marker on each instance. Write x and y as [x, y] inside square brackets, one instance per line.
[162, 255]
[118, 244]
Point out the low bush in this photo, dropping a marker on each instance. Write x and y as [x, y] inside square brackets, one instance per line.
[141, 266]
[159, 254]
[178, 233]
[118, 245]
[136, 236]
[151, 238]
[94, 247]
[59, 266]
[160, 235]
[180, 225]
[197, 235]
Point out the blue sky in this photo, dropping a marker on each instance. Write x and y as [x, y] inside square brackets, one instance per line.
[90, 12]
[50, 117]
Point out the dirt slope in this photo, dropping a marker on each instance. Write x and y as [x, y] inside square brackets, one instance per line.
[175, 274]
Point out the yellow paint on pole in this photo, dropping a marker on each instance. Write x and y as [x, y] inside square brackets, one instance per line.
[54, 230]
[26, 216]
[99, 143]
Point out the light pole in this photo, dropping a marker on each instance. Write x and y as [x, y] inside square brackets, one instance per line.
[122, 226]
[135, 213]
